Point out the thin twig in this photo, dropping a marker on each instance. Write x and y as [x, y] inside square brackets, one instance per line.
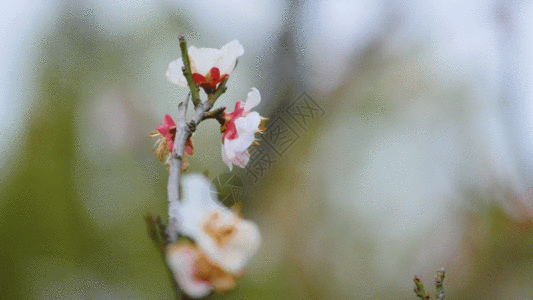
[419, 289]
[217, 114]
[439, 281]
[212, 98]
[195, 91]
[183, 132]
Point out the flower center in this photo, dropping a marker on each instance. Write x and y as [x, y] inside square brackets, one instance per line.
[207, 271]
[230, 130]
[210, 80]
[220, 234]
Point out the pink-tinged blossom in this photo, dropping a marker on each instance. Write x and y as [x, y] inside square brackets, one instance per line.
[181, 259]
[226, 239]
[196, 274]
[209, 66]
[239, 131]
[165, 143]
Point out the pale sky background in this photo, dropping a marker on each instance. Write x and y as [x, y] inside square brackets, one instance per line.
[466, 36]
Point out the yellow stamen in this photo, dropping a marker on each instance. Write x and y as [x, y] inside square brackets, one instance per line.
[220, 234]
[221, 280]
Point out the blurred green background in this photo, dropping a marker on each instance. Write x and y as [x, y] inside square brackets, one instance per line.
[419, 160]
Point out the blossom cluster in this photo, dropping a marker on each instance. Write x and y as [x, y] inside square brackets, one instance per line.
[223, 242]
[217, 242]
[210, 67]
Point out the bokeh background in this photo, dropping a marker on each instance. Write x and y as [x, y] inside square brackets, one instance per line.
[421, 156]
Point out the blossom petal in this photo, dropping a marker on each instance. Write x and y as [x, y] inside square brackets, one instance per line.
[238, 145]
[226, 160]
[246, 129]
[241, 159]
[229, 53]
[249, 123]
[234, 253]
[175, 74]
[228, 149]
[198, 78]
[168, 121]
[253, 99]
[203, 59]
[215, 74]
[230, 156]
[197, 200]
[164, 129]
[197, 191]
[188, 147]
[181, 259]
[170, 145]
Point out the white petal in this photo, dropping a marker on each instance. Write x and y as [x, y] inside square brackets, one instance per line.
[238, 252]
[233, 47]
[239, 248]
[228, 56]
[237, 157]
[253, 99]
[240, 144]
[197, 189]
[226, 160]
[175, 74]
[246, 129]
[203, 59]
[228, 149]
[241, 159]
[199, 198]
[181, 260]
[248, 123]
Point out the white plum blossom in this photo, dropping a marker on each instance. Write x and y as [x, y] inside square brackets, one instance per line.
[226, 239]
[239, 131]
[209, 66]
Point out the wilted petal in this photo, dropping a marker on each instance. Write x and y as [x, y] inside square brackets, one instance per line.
[188, 147]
